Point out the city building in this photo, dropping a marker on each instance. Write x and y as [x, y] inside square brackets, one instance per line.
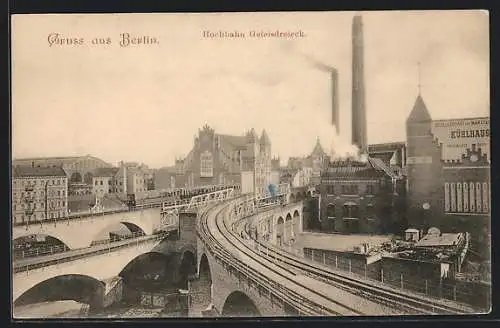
[312, 164]
[448, 168]
[104, 181]
[393, 154]
[361, 196]
[78, 168]
[222, 159]
[38, 194]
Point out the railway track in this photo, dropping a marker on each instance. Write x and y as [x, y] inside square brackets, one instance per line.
[407, 303]
[292, 287]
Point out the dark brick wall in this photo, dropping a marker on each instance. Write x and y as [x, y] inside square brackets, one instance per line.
[345, 261]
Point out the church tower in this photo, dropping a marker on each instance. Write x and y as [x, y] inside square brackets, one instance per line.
[424, 168]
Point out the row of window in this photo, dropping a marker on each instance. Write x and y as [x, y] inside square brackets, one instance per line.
[467, 197]
[34, 205]
[348, 211]
[350, 189]
[22, 183]
[206, 164]
[59, 193]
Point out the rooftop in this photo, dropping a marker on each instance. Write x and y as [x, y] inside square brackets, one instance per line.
[106, 171]
[28, 171]
[441, 240]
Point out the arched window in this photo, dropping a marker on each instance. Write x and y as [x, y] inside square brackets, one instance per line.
[330, 211]
[479, 201]
[206, 164]
[350, 210]
[370, 211]
[472, 198]
[486, 197]
[459, 197]
[453, 193]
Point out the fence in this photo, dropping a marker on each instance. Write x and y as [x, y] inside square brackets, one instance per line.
[39, 251]
[87, 252]
[475, 294]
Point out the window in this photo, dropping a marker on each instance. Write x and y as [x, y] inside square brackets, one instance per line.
[101, 183]
[472, 197]
[58, 193]
[206, 165]
[330, 211]
[459, 197]
[330, 189]
[96, 182]
[350, 211]
[479, 203]
[369, 189]
[370, 211]
[446, 197]
[465, 189]
[486, 197]
[453, 193]
[349, 189]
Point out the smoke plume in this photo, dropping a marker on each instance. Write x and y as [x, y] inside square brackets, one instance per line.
[333, 144]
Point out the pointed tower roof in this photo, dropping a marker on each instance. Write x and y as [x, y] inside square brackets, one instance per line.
[264, 138]
[318, 149]
[252, 136]
[419, 113]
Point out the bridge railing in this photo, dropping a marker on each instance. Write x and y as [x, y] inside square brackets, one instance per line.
[434, 291]
[281, 292]
[55, 259]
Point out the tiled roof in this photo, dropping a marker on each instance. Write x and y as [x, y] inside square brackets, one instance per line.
[378, 164]
[318, 149]
[28, 171]
[352, 168]
[384, 156]
[388, 146]
[80, 203]
[237, 142]
[106, 171]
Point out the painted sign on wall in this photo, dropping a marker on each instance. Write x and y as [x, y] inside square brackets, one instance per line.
[459, 134]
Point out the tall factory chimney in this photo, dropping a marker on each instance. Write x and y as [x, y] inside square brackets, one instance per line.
[335, 100]
[358, 87]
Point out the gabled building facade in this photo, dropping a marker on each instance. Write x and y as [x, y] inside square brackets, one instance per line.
[217, 159]
[448, 168]
[361, 197]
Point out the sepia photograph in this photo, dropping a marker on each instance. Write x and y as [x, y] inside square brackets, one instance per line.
[270, 164]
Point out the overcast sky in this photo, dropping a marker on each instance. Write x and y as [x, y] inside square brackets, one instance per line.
[146, 103]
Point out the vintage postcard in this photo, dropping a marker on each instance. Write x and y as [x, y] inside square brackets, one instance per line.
[250, 164]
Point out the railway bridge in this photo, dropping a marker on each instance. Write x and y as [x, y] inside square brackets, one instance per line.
[243, 270]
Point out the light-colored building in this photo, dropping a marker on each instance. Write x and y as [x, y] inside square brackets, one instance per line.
[38, 194]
